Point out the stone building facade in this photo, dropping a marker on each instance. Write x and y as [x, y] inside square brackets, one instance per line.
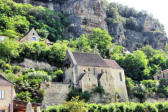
[88, 71]
[31, 36]
[7, 94]
[161, 75]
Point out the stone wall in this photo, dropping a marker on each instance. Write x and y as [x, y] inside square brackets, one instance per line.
[7, 103]
[55, 93]
[119, 83]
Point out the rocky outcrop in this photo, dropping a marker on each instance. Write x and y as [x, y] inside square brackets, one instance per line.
[150, 34]
[84, 15]
[133, 29]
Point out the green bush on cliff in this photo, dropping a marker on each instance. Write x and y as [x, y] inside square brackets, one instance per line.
[17, 19]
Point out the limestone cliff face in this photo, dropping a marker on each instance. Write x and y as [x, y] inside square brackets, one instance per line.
[150, 34]
[84, 15]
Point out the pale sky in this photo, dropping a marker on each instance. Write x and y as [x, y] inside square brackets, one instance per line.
[158, 8]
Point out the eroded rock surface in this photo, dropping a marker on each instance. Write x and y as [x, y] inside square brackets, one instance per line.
[84, 15]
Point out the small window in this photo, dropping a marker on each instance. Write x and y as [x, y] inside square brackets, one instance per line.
[163, 75]
[158, 77]
[88, 69]
[120, 76]
[84, 70]
[33, 34]
[2, 94]
[34, 38]
[2, 38]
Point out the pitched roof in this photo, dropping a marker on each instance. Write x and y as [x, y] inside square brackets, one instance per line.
[4, 81]
[112, 63]
[89, 59]
[25, 36]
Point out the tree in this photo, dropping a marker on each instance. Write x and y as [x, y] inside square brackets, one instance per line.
[75, 105]
[57, 52]
[116, 53]
[9, 49]
[102, 39]
[82, 44]
[136, 66]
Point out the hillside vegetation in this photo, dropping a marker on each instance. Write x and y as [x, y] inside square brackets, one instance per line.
[17, 19]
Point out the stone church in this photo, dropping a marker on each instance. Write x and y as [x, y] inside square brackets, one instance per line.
[88, 71]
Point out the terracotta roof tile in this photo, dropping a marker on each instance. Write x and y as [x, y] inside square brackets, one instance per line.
[112, 63]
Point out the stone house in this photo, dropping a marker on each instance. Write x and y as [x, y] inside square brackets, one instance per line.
[7, 94]
[31, 36]
[88, 71]
[161, 75]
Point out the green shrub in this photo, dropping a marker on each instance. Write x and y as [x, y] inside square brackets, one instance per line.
[163, 88]
[129, 108]
[11, 77]
[99, 89]
[105, 108]
[63, 109]
[99, 107]
[165, 107]
[120, 108]
[57, 76]
[139, 91]
[151, 108]
[139, 108]
[2, 64]
[74, 104]
[112, 108]
[92, 107]
[52, 109]
[16, 69]
[160, 107]
[78, 92]
[41, 75]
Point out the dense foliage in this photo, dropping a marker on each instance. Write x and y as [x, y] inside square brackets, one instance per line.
[76, 105]
[17, 19]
